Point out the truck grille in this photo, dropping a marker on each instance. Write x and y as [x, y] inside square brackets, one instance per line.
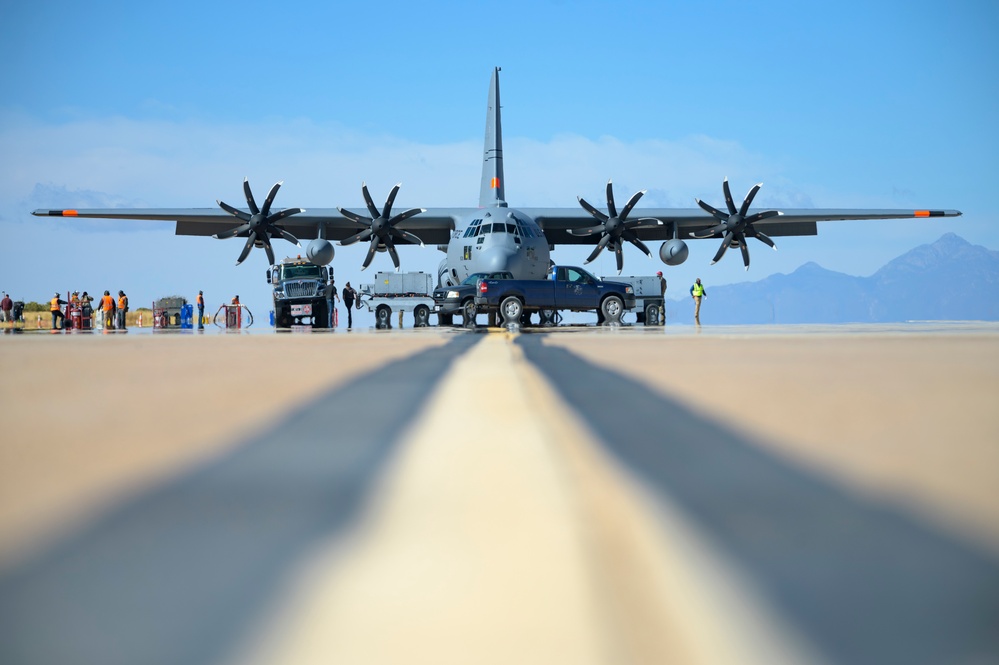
[301, 289]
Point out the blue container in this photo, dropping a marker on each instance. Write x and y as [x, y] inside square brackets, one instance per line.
[187, 317]
[272, 318]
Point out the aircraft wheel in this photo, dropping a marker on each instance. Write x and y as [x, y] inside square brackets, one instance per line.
[421, 316]
[511, 308]
[612, 308]
[383, 317]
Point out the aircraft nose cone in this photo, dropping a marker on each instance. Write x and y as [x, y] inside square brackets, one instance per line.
[496, 259]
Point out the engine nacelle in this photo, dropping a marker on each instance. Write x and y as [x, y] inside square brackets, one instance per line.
[673, 252]
[320, 251]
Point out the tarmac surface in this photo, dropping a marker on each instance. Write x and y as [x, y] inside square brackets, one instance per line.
[605, 495]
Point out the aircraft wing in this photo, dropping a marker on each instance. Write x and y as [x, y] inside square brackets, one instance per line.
[433, 227]
[557, 222]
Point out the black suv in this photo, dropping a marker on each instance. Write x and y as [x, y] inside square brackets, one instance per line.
[451, 300]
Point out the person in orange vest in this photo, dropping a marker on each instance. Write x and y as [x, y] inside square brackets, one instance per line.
[122, 309]
[57, 315]
[107, 307]
[235, 300]
[201, 310]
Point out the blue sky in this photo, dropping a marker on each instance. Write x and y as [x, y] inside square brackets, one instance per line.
[848, 104]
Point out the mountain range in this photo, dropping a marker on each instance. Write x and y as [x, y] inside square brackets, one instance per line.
[950, 279]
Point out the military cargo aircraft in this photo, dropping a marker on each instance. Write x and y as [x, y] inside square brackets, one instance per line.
[495, 237]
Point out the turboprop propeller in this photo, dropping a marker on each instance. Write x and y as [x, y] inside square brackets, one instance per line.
[735, 226]
[381, 227]
[614, 228]
[260, 224]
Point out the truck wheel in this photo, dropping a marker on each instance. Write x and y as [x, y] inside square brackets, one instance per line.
[468, 312]
[511, 308]
[421, 316]
[383, 317]
[651, 315]
[612, 308]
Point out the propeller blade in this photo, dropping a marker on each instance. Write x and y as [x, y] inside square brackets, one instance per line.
[711, 210]
[269, 250]
[749, 199]
[611, 209]
[231, 233]
[745, 252]
[371, 253]
[728, 198]
[766, 214]
[764, 238]
[587, 231]
[390, 246]
[233, 211]
[354, 217]
[247, 247]
[405, 215]
[368, 202]
[633, 239]
[284, 214]
[619, 255]
[387, 212]
[632, 202]
[407, 236]
[287, 236]
[360, 235]
[249, 197]
[599, 248]
[707, 233]
[593, 211]
[721, 250]
[270, 199]
[643, 222]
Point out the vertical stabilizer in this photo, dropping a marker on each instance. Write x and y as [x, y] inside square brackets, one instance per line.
[491, 193]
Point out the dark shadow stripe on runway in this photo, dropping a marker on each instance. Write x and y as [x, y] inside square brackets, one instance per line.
[178, 574]
[864, 582]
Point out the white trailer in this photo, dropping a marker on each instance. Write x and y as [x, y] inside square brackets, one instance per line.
[649, 304]
[399, 292]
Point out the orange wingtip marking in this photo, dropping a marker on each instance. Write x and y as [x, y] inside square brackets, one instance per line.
[922, 213]
[495, 183]
[69, 213]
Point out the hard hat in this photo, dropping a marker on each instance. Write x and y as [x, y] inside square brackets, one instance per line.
[660, 273]
[106, 292]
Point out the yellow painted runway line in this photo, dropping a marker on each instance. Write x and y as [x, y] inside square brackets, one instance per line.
[502, 534]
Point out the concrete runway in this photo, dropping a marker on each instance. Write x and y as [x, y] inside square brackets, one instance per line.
[620, 495]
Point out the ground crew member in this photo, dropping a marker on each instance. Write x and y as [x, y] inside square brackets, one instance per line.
[6, 309]
[697, 292]
[107, 309]
[662, 293]
[122, 309]
[235, 300]
[348, 300]
[57, 315]
[201, 310]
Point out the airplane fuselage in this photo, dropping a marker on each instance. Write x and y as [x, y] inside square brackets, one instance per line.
[496, 239]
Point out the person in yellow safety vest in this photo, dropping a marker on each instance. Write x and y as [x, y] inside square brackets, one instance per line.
[56, 306]
[74, 299]
[107, 307]
[122, 309]
[697, 292]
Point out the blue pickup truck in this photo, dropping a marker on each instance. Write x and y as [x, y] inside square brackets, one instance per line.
[571, 288]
